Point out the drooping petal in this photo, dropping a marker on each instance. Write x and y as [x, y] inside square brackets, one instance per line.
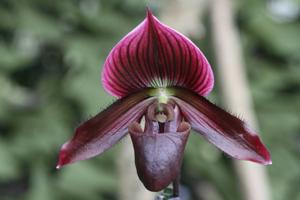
[222, 129]
[105, 129]
[158, 156]
[155, 55]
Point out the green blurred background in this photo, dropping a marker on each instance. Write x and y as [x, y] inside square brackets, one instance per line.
[51, 54]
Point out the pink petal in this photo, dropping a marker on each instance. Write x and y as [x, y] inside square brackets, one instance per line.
[105, 129]
[155, 55]
[222, 129]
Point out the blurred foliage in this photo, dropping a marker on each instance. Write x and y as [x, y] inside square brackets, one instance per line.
[272, 54]
[51, 53]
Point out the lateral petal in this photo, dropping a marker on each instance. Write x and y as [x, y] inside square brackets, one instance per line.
[105, 129]
[155, 55]
[222, 129]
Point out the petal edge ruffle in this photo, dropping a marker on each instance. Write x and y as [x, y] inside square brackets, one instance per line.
[105, 129]
[222, 129]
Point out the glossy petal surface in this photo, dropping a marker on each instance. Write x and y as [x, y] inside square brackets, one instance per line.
[155, 55]
[158, 156]
[105, 129]
[222, 129]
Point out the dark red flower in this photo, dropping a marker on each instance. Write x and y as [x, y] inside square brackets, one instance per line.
[160, 78]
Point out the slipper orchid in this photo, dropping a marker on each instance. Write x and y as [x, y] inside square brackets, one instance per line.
[160, 78]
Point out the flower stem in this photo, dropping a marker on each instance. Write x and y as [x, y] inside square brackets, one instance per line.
[170, 193]
[176, 186]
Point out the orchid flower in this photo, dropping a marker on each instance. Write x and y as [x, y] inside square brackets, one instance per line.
[160, 78]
